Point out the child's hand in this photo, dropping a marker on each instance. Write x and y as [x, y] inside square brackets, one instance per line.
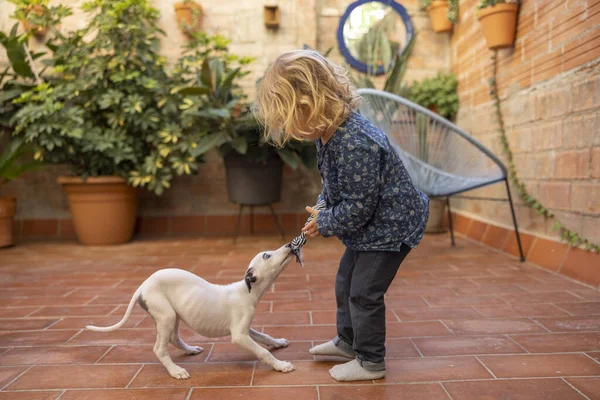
[310, 229]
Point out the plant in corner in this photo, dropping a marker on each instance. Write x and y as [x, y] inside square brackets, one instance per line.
[15, 160]
[498, 20]
[107, 111]
[443, 13]
[37, 15]
[438, 94]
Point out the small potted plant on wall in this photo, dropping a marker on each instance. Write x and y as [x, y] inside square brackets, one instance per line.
[443, 13]
[108, 112]
[439, 94]
[498, 20]
[37, 16]
[15, 160]
[189, 16]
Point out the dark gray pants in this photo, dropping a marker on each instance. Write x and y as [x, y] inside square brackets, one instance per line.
[360, 286]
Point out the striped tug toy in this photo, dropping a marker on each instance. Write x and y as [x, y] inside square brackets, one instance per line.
[298, 242]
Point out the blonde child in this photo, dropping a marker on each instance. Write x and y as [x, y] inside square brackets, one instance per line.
[371, 204]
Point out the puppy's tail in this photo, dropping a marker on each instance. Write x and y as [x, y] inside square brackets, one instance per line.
[119, 324]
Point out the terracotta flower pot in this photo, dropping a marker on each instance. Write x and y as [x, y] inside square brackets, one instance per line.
[190, 15]
[37, 30]
[104, 209]
[437, 209]
[8, 206]
[438, 12]
[498, 23]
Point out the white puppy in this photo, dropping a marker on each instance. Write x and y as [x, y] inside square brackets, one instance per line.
[171, 295]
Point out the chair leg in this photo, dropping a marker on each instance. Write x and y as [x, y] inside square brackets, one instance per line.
[450, 222]
[514, 217]
[237, 225]
[276, 221]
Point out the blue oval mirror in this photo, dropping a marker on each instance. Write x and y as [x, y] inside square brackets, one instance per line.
[372, 32]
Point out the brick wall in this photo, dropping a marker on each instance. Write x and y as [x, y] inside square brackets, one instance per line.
[550, 90]
[312, 22]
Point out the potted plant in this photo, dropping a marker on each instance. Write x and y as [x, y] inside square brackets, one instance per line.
[189, 15]
[109, 111]
[443, 13]
[15, 160]
[498, 20]
[253, 168]
[37, 16]
[439, 94]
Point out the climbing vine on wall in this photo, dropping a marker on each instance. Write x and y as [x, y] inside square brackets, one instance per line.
[573, 238]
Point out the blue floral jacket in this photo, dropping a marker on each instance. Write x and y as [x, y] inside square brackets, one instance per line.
[372, 204]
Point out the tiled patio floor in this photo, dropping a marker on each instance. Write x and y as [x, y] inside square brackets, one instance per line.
[463, 323]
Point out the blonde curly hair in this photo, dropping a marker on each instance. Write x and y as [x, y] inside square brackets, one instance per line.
[301, 93]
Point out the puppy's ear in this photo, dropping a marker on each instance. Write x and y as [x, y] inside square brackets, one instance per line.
[249, 279]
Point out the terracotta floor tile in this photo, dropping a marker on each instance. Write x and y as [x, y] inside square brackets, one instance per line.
[145, 354]
[464, 301]
[595, 355]
[29, 395]
[520, 310]
[305, 332]
[435, 313]
[306, 373]
[229, 352]
[282, 318]
[384, 392]
[201, 375]
[126, 394]
[25, 324]
[522, 389]
[18, 312]
[588, 386]
[559, 342]
[489, 289]
[454, 346]
[84, 311]
[433, 369]
[328, 317]
[120, 336]
[304, 305]
[405, 302]
[56, 301]
[416, 329]
[541, 365]
[588, 308]
[296, 295]
[81, 322]
[35, 338]
[7, 374]
[493, 326]
[279, 393]
[546, 297]
[399, 348]
[588, 294]
[566, 324]
[52, 355]
[66, 377]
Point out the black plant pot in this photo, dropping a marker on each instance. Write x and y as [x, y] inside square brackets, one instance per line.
[253, 183]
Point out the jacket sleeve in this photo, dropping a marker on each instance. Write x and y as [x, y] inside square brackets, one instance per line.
[359, 182]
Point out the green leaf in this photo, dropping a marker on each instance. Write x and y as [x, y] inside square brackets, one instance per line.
[205, 75]
[240, 144]
[207, 143]
[289, 157]
[193, 91]
[556, 226]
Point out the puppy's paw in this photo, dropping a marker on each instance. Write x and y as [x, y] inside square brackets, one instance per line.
[279, 343]
[179, 373]
[284, 366]
[193, 350]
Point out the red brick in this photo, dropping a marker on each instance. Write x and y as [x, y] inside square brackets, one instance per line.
[550, 10]
[512, 247]
[40, 228]
[555, 195]
[573, 164]
[548, 66]
[552, 103]
[152, 225]
[547, 254]
[66, 228]
[582, 50]
[188, 225]
[536, 43]
[582, 266]
[596, 163]
[547, 136]
[586, 94]
[477, 230]
[585, 197]
[570, 24]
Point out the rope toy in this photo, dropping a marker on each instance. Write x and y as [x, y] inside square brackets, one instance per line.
[298, 242]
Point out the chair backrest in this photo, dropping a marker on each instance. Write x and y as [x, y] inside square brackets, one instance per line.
[441, 158]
